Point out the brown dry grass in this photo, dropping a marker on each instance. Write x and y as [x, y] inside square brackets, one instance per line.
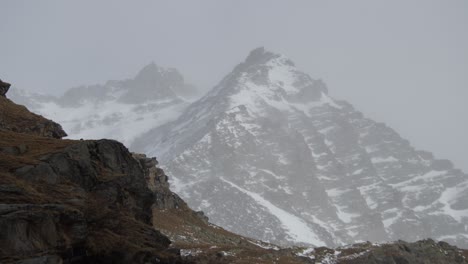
[183, 221]
[18, 116]
[210, 240]
[36, 148]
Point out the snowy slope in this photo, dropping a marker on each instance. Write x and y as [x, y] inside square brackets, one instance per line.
[268, 148]
[121, 110]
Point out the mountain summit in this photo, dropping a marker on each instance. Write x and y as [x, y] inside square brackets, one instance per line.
[153, 83]
[269, 154]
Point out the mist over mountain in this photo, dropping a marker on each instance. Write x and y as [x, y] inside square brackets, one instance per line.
[268, 153]
[121, 109]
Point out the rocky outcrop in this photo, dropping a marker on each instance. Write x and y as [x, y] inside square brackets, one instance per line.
[64, 201]
[79, 202]
[158, 183]
[4, 86]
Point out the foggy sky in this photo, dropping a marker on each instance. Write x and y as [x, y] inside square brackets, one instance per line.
[402, 62]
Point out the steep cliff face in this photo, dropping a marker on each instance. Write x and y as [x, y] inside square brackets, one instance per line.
[79, 201]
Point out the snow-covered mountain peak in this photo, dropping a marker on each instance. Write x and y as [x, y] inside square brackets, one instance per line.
[269, 154]
[153, 83]
[262, 56]
[266, 79]
[156, 74]
[150, 69]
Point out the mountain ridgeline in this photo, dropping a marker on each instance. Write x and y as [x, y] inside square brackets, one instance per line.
[121, 109]
[269, 154]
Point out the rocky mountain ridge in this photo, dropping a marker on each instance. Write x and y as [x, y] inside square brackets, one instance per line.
[268, 153]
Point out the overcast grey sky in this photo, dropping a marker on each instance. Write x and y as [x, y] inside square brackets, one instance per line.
[401, 62]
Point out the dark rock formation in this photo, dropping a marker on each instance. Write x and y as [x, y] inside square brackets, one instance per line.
[82, 203]
[4, 86]
[158, 183]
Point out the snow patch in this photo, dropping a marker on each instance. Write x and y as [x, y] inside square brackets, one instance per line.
[295, 227]
[447, 197]
[377, 160]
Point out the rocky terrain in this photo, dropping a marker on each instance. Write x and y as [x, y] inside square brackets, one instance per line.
[92, 201]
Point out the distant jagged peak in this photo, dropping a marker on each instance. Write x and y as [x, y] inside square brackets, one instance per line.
[154, 72]
[150, 69]
[163, 77]
[261, 56]
[151, 83]
[271, 78]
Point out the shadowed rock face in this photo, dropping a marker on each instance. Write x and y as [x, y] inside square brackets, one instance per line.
[4, 86]
[80, 200]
